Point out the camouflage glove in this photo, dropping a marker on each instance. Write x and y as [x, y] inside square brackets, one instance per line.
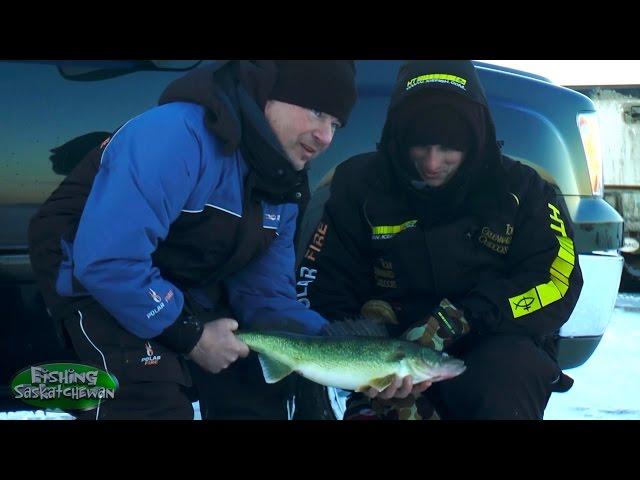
[410, 408]
[379, 311]
[359, 407]
[440, 329]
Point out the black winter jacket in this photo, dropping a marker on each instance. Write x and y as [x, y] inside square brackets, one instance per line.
[494, 239]
[512, 269]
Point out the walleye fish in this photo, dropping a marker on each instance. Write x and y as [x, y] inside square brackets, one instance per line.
[348, 362]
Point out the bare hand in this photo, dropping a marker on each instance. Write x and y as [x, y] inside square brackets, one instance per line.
[218, 347]
[399, 388]
[418, 388]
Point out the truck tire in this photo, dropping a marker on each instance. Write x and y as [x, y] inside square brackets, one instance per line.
[630, 280]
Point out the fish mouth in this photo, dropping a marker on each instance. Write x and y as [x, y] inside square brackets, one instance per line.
[449, 373]
[452, 368]
[440, 366]
[449, 369]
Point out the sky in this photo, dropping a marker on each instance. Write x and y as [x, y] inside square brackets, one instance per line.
[579, 72]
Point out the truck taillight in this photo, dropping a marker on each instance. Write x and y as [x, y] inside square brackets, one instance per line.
[590, 134]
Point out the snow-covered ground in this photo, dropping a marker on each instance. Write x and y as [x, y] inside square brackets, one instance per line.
[607, 386]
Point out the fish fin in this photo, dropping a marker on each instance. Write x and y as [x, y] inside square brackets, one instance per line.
[382, 382]
[360, 327]
[380, 311]
[397, 356]
[415, 333]
[273, 370]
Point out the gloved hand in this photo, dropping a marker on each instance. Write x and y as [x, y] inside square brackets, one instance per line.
[440, 329]
[410, 408]
[360, 407]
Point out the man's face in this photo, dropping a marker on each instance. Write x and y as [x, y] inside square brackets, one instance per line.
[435, 164]
[303, 133]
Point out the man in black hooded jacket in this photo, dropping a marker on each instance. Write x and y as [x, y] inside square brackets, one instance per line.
[179, 229]
[454, 246]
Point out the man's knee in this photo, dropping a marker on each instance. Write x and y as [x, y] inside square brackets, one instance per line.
[240, 392]
[507, 377]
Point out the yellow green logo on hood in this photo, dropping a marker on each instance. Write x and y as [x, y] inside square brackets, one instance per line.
[439, 78]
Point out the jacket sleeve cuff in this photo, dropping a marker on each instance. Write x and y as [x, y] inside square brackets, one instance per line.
[479, 313]
[183, 334]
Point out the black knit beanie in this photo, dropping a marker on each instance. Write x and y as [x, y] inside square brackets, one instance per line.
[435, 118]
[440, 125]
[324, 85]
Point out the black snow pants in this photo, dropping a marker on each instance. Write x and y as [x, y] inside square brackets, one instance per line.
[156, 383]
[508, 377]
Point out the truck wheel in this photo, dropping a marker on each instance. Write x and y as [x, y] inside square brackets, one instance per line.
[630, 280]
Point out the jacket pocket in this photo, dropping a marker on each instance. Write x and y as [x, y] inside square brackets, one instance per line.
[98, 339]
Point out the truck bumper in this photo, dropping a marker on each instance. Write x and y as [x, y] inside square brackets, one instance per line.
[601, 273]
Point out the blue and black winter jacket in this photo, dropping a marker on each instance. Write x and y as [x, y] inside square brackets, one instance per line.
[165, 191]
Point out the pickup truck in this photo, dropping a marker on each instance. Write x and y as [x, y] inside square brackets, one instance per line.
[618, 107]
[53, 112]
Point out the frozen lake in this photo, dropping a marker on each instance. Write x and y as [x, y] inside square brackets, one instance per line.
[606, 387]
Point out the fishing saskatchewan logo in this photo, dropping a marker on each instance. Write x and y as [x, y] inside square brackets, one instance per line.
[67, 386]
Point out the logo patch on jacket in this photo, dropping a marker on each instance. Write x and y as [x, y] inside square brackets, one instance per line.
[150, 358]
[498, 242]
[384, 274]
[438, 78]
[271, 216]
[317, 242]
[159, 303]
[156, 298]
[385, 232]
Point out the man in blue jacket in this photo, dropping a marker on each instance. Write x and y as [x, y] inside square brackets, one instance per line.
[180, 228]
